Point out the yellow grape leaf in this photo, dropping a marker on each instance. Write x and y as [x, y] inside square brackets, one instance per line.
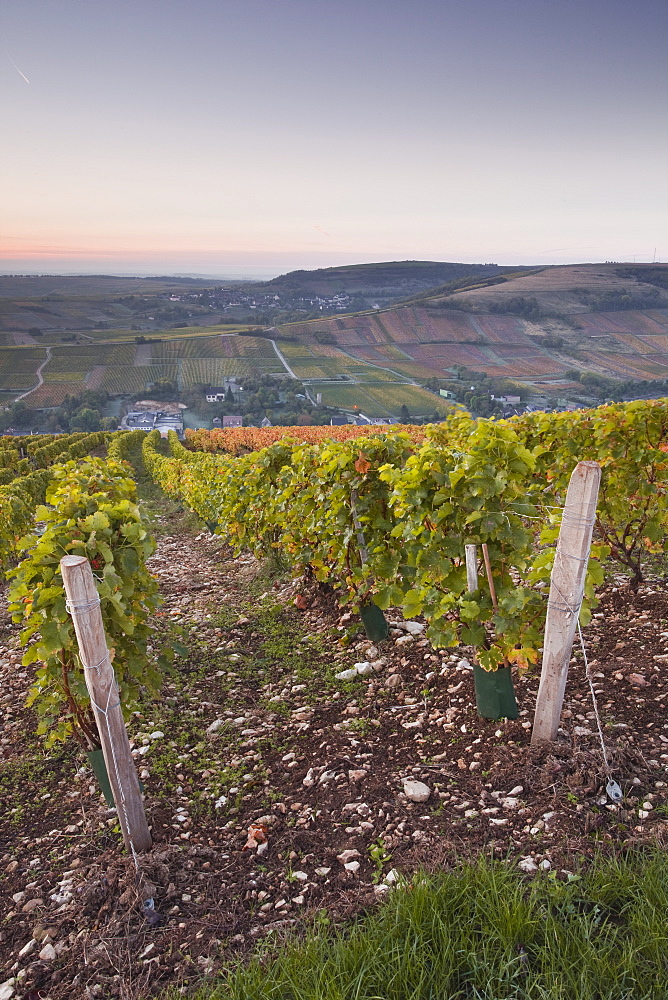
[523, 657]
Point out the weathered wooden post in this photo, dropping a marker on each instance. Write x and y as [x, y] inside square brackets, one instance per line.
[471, 568]
[84, 605]
[566, 593]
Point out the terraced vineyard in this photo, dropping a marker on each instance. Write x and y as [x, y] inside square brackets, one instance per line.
[54, 393]
[18, 367]
[123, 368]
[371, 373]
[126, 368]
[85, 356]
[116, 380]
[195, 347]
[21, 359]
[212, 371]
[16, 380]
[432, 338]
[64, 376]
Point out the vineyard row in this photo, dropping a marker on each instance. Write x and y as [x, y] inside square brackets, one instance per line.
[420, 500]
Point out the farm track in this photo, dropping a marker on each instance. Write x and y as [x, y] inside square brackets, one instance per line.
[255, 728]
[38, 373]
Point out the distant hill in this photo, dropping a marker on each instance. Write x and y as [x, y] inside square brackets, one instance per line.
[33, 286]
[55, 304]
[393, 279]
[572, 289]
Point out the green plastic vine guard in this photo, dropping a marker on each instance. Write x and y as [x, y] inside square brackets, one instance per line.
[96, 761]
[374, 622]
[494, 693]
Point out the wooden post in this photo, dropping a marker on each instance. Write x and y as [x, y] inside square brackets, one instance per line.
[84, 606]
[566, 593]
[488, 574]
[471, 568]
[472, 579]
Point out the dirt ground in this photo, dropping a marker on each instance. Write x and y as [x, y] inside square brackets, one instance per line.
[254, 730]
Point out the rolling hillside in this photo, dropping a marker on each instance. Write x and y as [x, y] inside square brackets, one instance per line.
[610, 320]
[544, 329]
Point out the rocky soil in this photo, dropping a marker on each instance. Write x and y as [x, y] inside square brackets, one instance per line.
[292, 768]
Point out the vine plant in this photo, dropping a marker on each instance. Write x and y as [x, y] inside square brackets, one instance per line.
[630, 442]
[91, 510]
[498, 483]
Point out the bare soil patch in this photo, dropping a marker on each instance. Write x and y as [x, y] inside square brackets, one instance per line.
[255, 730]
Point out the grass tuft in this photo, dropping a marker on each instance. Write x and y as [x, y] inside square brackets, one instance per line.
[484, 932]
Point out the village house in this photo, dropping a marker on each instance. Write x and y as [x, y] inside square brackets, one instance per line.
[216, 394]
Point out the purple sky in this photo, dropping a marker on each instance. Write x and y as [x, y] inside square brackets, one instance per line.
[255, 136]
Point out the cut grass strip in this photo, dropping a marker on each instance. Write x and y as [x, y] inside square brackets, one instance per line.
[484, 932]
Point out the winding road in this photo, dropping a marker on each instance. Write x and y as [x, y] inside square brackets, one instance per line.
[38, 373]
[281, 357]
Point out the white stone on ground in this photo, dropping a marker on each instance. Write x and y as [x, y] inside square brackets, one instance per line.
[416, 791]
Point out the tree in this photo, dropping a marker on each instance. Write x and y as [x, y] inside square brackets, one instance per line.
[85, 419]
[404, 414]
[163, 388]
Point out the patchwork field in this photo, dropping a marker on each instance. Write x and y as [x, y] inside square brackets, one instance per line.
[125, 368]
[413, 325]
[567, 289]
[418, 342]
[631, 365]
[645, 323]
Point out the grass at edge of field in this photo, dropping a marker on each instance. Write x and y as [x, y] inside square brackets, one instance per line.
[483, 931]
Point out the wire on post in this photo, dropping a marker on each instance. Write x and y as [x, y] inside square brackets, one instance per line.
[84, 606]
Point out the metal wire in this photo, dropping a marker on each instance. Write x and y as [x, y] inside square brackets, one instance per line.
[567, 606]
[83, 606]
[97, 665]
[595, 703]
[578, 520]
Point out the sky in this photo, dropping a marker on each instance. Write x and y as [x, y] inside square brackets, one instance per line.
[251, 137]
